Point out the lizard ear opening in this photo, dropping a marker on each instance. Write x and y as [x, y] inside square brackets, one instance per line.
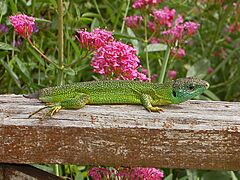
[174, 93]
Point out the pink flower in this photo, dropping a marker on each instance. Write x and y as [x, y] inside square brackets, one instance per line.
[174, 34]
[146, 173]
[210, 70]
[117, 60]
[154, 77]
[134, 21]
[126, 173]
[172, 74]
[154, 40]
[98, 173]
[140, 173]
[164, 16]
[23, 24]
[3, 28]
[179, 53]
[143, 3]
[95, 39]
[191, 27]
[151, 26]
[233, 28]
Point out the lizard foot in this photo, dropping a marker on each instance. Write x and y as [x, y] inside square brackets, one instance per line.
[54, 110]
[155, 109]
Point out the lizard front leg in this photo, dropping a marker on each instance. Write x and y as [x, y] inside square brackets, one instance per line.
[146, 101]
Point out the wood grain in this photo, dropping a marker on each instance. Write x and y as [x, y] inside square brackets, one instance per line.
[194, 134]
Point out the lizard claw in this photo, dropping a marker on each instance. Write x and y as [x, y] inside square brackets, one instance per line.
[54, 110]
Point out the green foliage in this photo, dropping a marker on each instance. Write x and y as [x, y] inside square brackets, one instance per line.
[24, 70]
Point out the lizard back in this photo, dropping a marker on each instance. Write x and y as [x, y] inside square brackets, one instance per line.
[104, 92]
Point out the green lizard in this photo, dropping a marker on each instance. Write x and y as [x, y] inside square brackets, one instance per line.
[150, 95]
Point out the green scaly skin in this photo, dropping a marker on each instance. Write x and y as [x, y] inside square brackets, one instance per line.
[150, 95]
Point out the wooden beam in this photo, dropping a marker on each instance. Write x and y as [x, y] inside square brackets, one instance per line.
[194, 134]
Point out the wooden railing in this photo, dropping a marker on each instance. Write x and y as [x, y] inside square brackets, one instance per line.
[194, 135]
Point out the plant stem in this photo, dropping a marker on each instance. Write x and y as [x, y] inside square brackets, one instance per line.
[125, 15]
[146, 43]
[56, 169]
[60, 43]
[96, 5]
[33, 7]
[41, 53]
[164, 66]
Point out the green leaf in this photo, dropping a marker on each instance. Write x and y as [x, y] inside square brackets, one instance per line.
[54, 3]
[43, 167]
[85, 20]
[120, 35]
[234, 177]
[8, 47]
[23, 68]
[199, 69]
[13, 6]
[90, 14]
[3, 7]
[42, 20]
[36, 55]
[156, 47]
[219, 175]
[95, 23]
[135, 43]
[69, 71]
[169, 177]
[11, 73]
[211, 95]
[192, 174]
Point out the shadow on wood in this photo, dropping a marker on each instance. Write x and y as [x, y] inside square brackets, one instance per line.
[195, 135]
[23, 171]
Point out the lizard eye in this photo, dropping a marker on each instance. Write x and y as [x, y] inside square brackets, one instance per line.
[191, 87]
[174, 93]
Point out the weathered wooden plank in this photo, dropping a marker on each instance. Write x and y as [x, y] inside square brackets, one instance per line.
[194, 134]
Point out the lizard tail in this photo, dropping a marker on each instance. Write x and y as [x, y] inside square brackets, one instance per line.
[32, 96]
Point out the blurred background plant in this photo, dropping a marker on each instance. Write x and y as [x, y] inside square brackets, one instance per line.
[165, 39]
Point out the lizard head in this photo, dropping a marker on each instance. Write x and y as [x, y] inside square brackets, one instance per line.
[187, 88]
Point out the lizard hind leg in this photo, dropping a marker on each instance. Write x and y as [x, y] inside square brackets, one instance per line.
[76, 102]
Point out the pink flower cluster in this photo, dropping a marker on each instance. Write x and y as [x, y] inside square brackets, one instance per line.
[137, 4]
[95, 39]
[134, 21]
[24, 25]
[98, 173]
[111, 58]
[119, 59]
[127, 173]
[164, 16]
[178, 53]
[173, 30]
[191, 27]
